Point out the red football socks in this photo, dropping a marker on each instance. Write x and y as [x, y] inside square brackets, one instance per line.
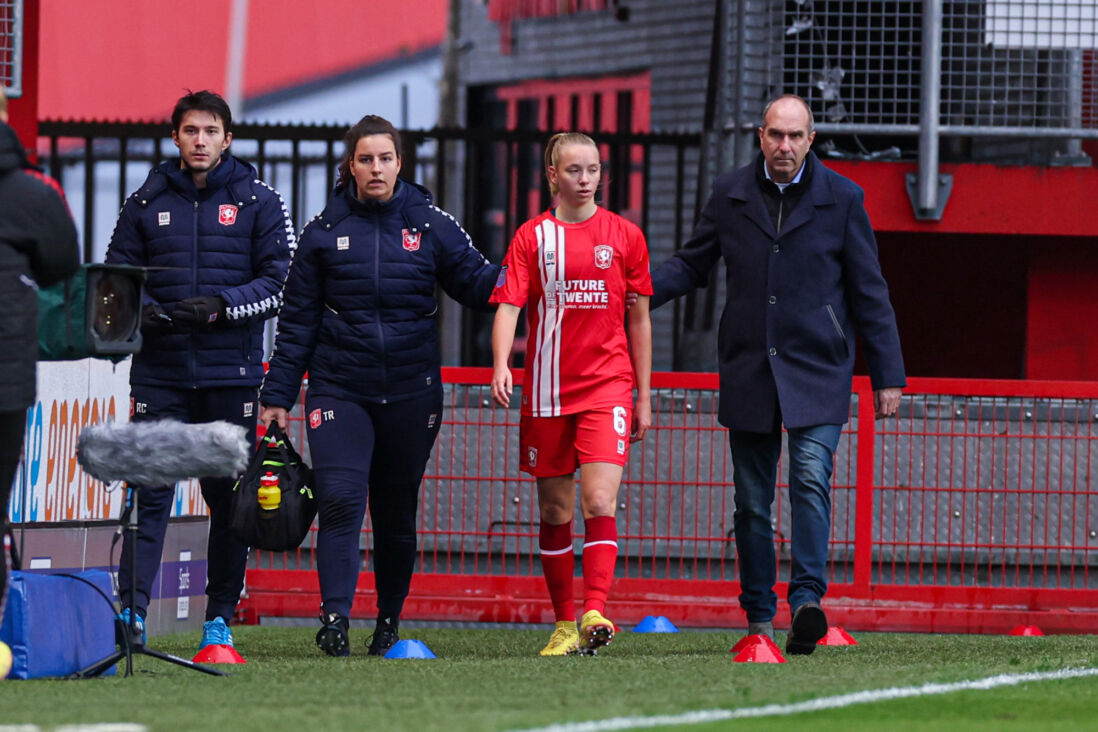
[600, 553]
[558, 564]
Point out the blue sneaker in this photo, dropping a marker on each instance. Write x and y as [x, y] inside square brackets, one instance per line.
[124, 628]
[216, 633]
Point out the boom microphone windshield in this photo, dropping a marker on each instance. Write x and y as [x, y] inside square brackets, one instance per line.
[162, 452]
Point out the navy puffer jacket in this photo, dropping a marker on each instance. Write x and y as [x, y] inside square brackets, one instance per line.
[233, 239]
[359, 303]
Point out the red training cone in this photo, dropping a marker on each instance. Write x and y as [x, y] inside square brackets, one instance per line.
[218, 654]
[763, 651]
[836, 636]
[1026, 630]
[750, 640]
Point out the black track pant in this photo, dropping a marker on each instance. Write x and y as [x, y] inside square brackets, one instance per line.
[226, 558]
[12, 427]
[379, 451]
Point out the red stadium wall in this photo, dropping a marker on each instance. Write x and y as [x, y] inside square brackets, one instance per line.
[960, 301]
[116, 59]
[1004, 286]
[986, 199]
[1061, 337]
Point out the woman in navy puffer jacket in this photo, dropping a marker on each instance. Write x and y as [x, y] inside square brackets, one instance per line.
[359, 314]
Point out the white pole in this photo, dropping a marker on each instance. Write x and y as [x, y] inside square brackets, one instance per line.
[234, 63]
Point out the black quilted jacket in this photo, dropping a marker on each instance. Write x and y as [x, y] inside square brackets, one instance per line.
[37, 246]
[359, 303]
[231, 239]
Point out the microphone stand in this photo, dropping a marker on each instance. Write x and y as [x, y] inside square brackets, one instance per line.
[131, 634]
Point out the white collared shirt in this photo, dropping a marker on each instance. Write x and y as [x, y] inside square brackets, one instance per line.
[783, 186]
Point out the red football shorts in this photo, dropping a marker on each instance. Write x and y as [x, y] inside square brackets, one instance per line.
[553, 446]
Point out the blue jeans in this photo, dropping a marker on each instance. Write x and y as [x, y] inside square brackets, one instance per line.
[755, 471]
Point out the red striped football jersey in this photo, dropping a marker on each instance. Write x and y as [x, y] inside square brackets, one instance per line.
[574, 277]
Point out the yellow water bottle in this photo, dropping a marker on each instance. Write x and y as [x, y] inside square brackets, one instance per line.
[270, 495]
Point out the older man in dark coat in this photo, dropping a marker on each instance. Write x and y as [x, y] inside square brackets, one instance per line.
[802, 276]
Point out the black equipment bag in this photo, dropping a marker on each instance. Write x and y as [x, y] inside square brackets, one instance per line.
[285, 527]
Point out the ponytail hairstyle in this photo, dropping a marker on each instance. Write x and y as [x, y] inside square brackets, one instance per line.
[371, 124]
[552, 151]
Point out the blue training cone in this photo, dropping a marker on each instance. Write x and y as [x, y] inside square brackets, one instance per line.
[655, 624]
[410, 649]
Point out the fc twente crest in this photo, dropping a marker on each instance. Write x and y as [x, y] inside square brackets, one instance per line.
[411, 241]
[604, 256]
[226, 214]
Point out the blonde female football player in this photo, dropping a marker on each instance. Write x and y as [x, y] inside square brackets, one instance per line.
[572, 266]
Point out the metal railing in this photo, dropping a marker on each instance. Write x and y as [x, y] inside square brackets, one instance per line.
[1006, 67]
[1009, 81]
[112, 158]
[11, 47]
[490, 179]
[974, 509]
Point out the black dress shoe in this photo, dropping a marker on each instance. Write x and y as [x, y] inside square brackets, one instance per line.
[809, 625]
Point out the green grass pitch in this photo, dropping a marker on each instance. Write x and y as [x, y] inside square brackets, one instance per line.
[493, 680]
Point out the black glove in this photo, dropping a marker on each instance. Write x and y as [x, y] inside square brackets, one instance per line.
[155, 319]
[199, 312]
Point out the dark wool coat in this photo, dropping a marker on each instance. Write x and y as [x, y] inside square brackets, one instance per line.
[360, 300]
[232, 239]
[37, 248]
[796, 298]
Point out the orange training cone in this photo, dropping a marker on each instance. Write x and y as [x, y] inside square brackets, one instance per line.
[218, 654]
[763, 651]
[1026, 630]
[836, 636]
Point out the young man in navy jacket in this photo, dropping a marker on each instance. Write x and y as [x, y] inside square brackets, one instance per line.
[802, 277]
[217, 242]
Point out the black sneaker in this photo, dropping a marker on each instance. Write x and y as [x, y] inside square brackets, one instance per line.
[809, 625]
[385, 637]
[332, 636]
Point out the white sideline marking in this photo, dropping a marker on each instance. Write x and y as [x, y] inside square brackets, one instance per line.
[815, 705]
[98, 727]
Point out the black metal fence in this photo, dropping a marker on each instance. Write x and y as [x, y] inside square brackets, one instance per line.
[490, 179]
